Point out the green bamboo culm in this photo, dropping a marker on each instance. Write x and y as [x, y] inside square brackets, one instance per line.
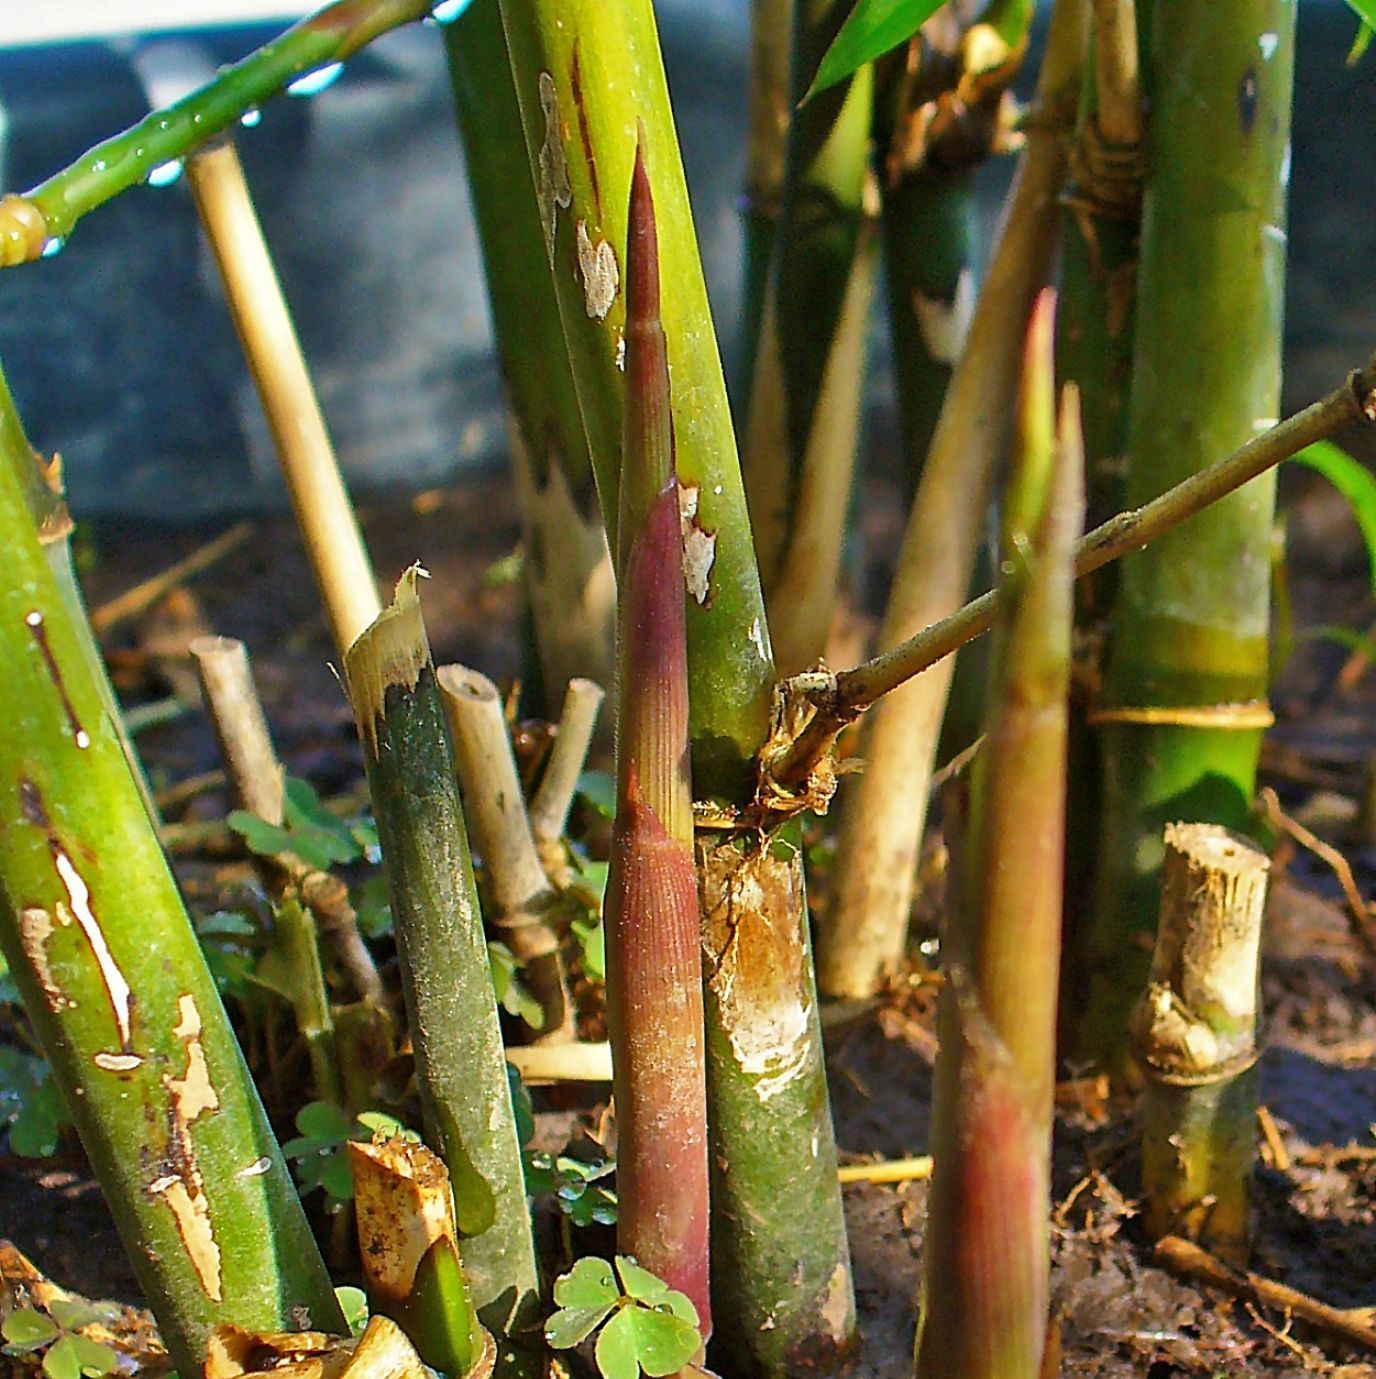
[589, 77]
[450, 1005]
[567, 570]
[587, 74]
[112, 976]
[985, 1284]
[804, 417]
[41, 219]
[1184, 699]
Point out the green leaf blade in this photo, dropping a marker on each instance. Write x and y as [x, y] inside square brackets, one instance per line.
[874, 27]
[1349, 476]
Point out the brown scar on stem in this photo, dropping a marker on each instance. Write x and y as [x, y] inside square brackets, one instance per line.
[34, 621]
[584, 134]
[180, 1184]
[35, 929]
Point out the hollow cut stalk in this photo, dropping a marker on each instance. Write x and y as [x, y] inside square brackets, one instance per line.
[986, 1257]
[261, 316]
[781, 1270]
[113, 978]
[549, 810]
[519, 893]
[450, 1006]
[408, 1244]
[29, 223]
[804, 418]
[884, 816]
[567, 568]
[1194, 1034]
[1184, 701]
[654, 982]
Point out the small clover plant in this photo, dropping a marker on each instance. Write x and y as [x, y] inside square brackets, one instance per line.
[308, 829]
[513, 995]
[575, 1186]
[318, 1149]
[31, 1107]
[56, 1333]
[647, 1327]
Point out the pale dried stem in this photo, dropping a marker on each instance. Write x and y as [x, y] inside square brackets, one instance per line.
[261, 316]
[256, 775]
[572, 1062]
[1116, 72]
[519, 891]
[549, 810]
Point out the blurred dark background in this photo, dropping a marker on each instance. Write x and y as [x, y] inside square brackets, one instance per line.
[120, 350]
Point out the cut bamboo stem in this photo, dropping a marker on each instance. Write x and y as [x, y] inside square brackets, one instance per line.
[450, 1004]
[886, 810]
[573, 1062]
[408, 1244]
[1194, 1034]
[549, 810]
[839, 700]
[519, 892]
[32, 222]
[257, 778]
[115, 983]
[263, 320]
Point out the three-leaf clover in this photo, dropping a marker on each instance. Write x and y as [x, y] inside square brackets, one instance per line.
[574, 1184]
[308, 830]
[513, 995]
[646, 1325]
[66, 1353]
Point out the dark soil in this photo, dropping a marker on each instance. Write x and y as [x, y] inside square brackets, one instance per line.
[1116, 1314]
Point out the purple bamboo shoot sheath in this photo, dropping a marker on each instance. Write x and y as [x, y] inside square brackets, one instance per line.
[654, 975]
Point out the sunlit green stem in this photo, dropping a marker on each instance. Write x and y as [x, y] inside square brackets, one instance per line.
[29, 223]
[94, 931]
[450, 1005]
[1184, 700]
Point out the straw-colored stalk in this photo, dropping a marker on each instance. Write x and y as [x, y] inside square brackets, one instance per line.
[1193, 1032]
[408, 1244]
[519, 893]
[549, 809]
[263, 320]
[113, 979]
[567, 568]
[985, 1288]
[450, 1006]
[654, 981]
[885, 813]
[1184, 705]
[804, 418]
[256, 777]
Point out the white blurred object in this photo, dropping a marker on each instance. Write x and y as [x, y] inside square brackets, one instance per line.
[58, 21]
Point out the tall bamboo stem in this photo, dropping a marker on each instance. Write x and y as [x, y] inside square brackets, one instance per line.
[884, 817]
[450, 1005]
[1184, 700]
[113, 978]
[567, 567]
[323, 510]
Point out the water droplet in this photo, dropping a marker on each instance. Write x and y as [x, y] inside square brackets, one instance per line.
[54, 246]
[251, 117]
[314, 82]
[165, 174]
[447, 11]
[97, 165]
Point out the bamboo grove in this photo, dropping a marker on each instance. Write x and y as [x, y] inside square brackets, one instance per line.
[688, 561]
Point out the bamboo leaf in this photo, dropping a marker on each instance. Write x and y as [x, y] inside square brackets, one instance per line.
[1365, 10]
[1350, 477]
[873, 28]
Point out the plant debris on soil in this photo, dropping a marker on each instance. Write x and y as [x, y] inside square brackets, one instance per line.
[1114, 1312]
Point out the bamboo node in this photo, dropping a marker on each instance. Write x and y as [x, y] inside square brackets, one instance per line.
[1247, 714]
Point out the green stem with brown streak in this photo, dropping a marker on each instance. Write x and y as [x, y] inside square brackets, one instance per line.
[985, 1290]
[114, 981]
[450, 1005]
